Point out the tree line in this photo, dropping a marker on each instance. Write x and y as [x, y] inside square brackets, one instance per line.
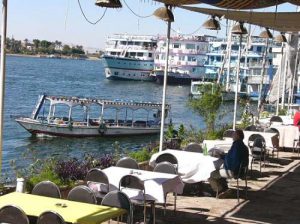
[42, 47]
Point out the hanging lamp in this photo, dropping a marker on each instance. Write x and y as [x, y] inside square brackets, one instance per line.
[266, 34]
[239, 29]
[109, 3]
[212, 24]
[164, 13]
[280, 38]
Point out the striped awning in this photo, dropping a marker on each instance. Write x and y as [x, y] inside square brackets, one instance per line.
[280, 21]
[232, 4]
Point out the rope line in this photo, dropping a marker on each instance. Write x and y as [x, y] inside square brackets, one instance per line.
[93, 23]
[134, 13]
[187, 34]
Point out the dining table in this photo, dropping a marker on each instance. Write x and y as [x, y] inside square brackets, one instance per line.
[157, 184]
[71, 211]
[287, 135]
[193, 167]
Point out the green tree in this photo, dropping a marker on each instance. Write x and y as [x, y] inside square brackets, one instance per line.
[208, 104]
[36, 44]
[66, 50]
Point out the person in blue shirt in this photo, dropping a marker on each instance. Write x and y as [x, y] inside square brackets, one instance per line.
[230, 163]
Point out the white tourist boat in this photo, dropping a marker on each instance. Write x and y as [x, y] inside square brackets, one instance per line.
[129, 57]
[186, 61]
[88, 117]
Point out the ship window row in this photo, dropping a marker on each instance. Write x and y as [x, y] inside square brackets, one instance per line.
[139, 54]
[137, 43]
[125, 63]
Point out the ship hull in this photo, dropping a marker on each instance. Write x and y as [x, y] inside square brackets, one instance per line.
[120, 68]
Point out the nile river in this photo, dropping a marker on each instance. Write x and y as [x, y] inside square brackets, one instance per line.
[28, 77]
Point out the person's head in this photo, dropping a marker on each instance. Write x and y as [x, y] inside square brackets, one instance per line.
[238, 134]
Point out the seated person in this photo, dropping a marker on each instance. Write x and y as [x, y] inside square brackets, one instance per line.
[230, 164]
[297, 119]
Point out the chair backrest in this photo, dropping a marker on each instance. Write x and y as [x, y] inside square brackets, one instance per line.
[193, 147]
[127, 162]
[82, 193]
[118, 199]
[97, 180]
[252, 138]
[271, 130]
[251, 128]
[276, 119]
[13, 215]
[166, 157]
[259, 142]
[165, 167]
[46, 188]
[228, 133]
[50, 217]
[130, 181]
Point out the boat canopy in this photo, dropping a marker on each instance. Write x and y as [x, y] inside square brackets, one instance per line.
[75, 101]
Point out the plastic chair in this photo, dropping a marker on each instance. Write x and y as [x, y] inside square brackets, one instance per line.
[13, 215]
[275, 141]
[131, 182]
[97, 181]
[193, 147]
[243, 172]
[127, 162]
[82, 193]
[167, 157]
[258, 149]
[50, 217]
[251, 128]
[119, 199]
[47, 189]
[228, 133]
[166, 167]
[276, 119]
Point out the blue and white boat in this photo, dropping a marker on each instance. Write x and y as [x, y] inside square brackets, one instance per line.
[129, 57]
[186, 60]
[217, 65]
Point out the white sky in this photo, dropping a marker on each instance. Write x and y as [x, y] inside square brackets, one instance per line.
[62, 20]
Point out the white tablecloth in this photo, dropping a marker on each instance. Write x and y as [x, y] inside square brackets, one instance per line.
[287, 135]
[286, 120]
[193, 167]
[157, 185]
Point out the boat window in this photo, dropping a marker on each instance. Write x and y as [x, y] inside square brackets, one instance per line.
[150, 55]
[176, 45]
[140, 54]
[130, 42]
[126, 55]
[190, 46]
[181, 58]
[113, 53]
[218, 58]
[123, 42]
[132, 54]
[191, 58]
[116, 73]
[259, 49]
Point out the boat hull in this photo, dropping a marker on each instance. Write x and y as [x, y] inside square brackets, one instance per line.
[120, 68]
[37, 127]
[175, 78]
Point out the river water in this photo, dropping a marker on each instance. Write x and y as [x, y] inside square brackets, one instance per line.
[28, 77]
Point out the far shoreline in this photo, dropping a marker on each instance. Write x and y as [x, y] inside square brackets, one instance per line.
[47, 56]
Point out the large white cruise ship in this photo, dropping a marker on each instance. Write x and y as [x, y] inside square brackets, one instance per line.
[186, 60]
[129, 57]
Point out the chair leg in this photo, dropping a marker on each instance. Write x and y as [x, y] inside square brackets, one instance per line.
[246, 184]
[175, 201]
[238, 190]
[145, 209]
[153, 212]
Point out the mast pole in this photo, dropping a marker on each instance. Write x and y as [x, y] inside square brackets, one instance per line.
[237, 83]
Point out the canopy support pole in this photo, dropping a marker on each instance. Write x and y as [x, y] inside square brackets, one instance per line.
[279, 80]
[237, 83]
[2, 78]
[163, 106]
